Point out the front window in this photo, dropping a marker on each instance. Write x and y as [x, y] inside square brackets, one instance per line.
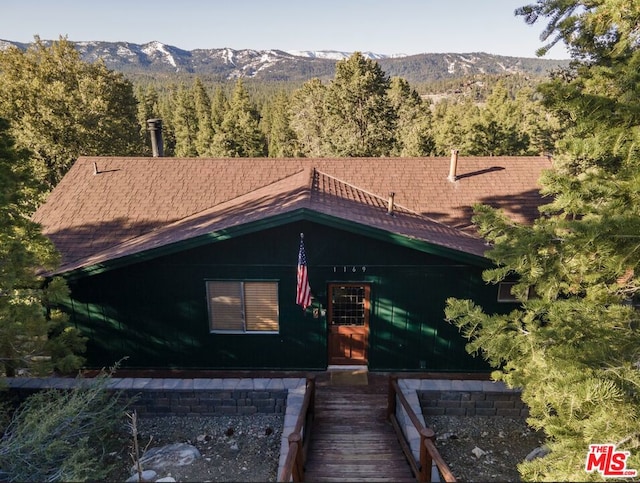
[240, 307]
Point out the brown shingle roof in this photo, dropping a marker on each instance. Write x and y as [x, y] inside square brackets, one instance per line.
[135, 204]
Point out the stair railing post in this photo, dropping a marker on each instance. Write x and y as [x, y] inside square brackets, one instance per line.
[311, 385]
[298, 464]
[426, 462]
[391, 397]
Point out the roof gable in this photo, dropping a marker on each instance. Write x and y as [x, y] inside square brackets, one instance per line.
[108, 208]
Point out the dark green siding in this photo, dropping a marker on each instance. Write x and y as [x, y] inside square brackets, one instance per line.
[154, 312]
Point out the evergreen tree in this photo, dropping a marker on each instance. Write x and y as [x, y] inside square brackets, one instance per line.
[185, 123]
[167, 107]
[360, 118]
[283, 142]
[574, 344]
[308, 118]
[204, 132]
[540, 125]
[498, 130]
[239, 134]
[593, 30]
[453, 125]
[413, 129]
[148, 108]
[219, 107]
[60, 107]
[33, 337]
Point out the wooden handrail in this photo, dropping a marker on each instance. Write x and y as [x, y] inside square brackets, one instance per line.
[298, 439]
[428, 451]
[443, 468]
[290, 461]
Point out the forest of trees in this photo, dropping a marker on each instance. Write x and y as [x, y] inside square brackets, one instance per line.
[572, 346]
[490, 116]
[60, 107]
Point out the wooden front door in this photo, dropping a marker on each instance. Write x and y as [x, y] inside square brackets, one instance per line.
[348, 320]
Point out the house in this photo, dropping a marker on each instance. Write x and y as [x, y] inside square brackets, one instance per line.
[191, 263]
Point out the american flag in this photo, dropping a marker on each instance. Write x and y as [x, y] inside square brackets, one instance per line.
[303, 291]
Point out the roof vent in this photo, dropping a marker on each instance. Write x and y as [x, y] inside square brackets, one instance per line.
[392, 196]
[155, 128]
[453, 166]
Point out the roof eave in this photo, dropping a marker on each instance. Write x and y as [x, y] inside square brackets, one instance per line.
[301, 214]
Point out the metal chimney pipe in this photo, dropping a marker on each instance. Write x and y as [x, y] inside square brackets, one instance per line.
[390, 206]
[155, 128]
[453, 166]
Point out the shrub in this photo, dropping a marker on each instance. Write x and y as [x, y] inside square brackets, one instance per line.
[63, 435]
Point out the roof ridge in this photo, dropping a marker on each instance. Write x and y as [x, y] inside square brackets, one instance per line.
[402, 207]
[378, 197]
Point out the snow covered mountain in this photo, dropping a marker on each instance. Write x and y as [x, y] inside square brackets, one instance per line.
[279, 65]
[336, 55]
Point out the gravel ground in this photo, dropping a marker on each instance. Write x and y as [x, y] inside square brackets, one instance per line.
[501, 444]
[247, 448]
[238, 448]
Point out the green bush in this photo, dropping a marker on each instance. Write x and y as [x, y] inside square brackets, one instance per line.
[64, 435]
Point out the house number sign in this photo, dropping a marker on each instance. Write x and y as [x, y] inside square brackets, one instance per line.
[346, 269]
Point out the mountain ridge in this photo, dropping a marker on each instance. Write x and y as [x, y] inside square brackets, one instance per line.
[278, 65]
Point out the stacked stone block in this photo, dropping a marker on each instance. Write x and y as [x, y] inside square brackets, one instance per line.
[208, 403]
[472, 403]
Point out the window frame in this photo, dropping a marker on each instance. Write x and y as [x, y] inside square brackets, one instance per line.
[510, 298]
[242, 307]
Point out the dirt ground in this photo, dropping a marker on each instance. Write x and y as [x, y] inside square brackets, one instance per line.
[247, 448]
[238, 448]
[484, 449]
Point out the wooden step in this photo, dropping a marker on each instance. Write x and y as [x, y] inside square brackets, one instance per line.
[352, 440]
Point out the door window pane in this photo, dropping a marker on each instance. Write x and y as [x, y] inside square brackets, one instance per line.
[348, 305]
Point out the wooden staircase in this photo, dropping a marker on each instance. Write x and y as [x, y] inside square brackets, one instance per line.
[351, 438]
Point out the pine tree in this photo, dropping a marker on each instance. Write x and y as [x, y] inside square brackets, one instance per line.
[592, 30]
[33, 337]
[574, 344]
[360, 118]
[413, 129]
[453, 126]
[147, 109]
[498, 130]
[185, 123]
[219, 107]
[308, 118]
[204, 132]
[283, 142]
[167, 107]
[60, 107]
[540, 125]
[240, 134]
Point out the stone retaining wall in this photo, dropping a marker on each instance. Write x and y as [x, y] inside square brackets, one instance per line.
[150, 402]
[207, 403]
[472, 403]
[179, 397]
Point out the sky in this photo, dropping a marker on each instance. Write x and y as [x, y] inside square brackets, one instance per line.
[380, 26]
